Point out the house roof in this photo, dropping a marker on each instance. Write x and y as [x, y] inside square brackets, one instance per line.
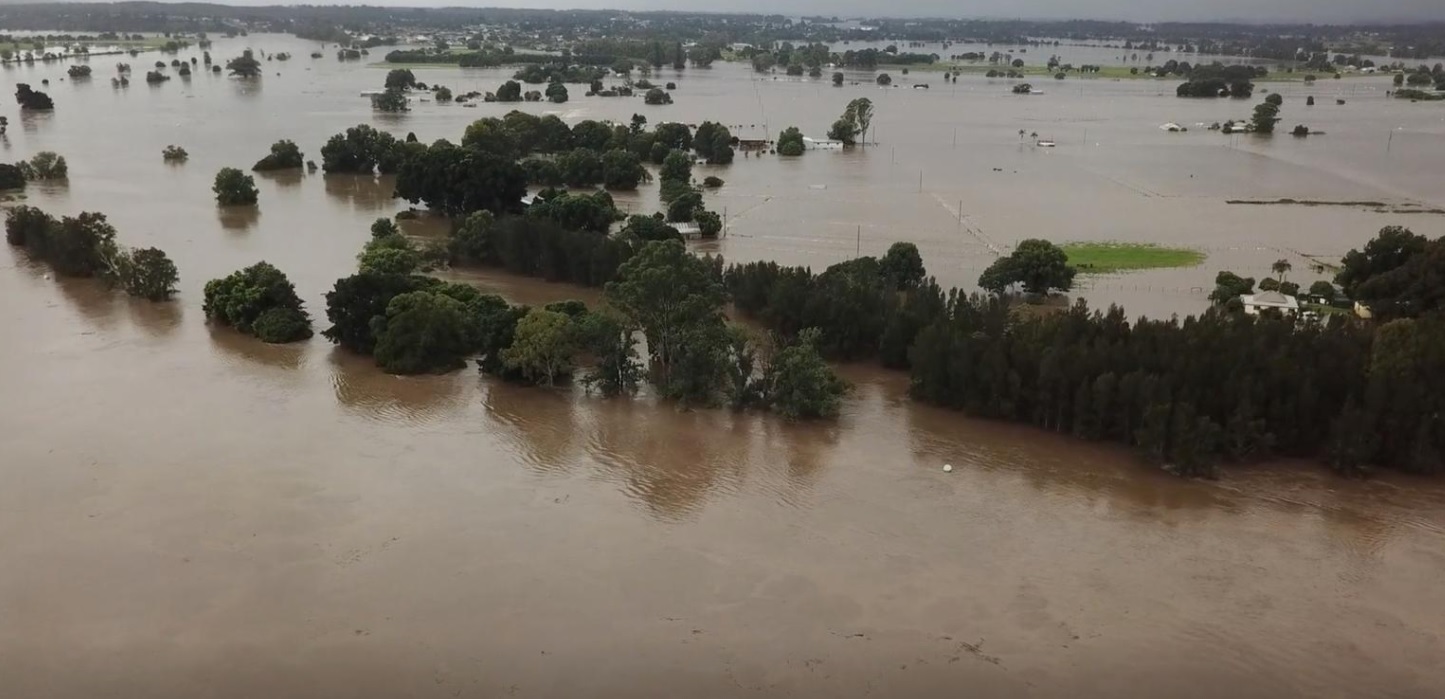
[1270, 298]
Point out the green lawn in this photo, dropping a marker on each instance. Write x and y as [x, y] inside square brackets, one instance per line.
[1104, 258]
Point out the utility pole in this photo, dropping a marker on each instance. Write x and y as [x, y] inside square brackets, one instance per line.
[858, 245]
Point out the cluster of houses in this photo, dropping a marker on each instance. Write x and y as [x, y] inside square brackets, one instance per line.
[1262, 301]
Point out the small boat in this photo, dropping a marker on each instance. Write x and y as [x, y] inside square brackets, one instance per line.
[1045, 144]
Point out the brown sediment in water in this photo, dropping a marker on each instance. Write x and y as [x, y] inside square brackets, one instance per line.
[187, 512]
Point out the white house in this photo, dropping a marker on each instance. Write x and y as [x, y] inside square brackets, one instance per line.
[827, 144]
[1254, 303]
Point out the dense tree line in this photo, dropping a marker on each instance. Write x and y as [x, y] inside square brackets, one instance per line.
[85, 246]
[1218, 80]
[43, 166]
[1223, 387]
[552, 154]
[415, 324]
[363, 150]
[539, 246]
[1398, 274]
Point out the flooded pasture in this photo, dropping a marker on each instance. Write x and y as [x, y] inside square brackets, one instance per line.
[188, 512]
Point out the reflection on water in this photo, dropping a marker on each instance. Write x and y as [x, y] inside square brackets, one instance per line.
[238, 218]
[426, 226]
[539, 423]
[370, 393]
[284, 178]
[157, 319]
[96, 303]
[248, 351]
[671, 460]
[363, 193]
[246, 88]
[32, 121]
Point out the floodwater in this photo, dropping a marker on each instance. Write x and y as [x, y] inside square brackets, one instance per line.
[189, 513]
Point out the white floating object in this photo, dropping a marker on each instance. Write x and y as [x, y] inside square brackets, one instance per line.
[948, 468]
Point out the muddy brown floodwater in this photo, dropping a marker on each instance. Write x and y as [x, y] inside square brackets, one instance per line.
[189, 513]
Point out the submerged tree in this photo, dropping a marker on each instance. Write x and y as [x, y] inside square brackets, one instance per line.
[424, 332]
[799, 384]
[258, 300]
[790, 142]
[146, 273]
[608, 337]
[32, 100]
[543, 347]
[1266, 115]
[284, 155]
[1038, 265]
[392, 99]
[244, 66]
[46, 165]
[234, 188]
[400, 79]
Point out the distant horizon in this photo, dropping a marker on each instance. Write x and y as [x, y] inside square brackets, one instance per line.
[1244, 12]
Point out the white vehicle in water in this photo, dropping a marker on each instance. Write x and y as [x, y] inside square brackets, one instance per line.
[1043, 143]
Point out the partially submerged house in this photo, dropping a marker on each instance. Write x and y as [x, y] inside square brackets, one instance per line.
[825, 144]
[1264, 300]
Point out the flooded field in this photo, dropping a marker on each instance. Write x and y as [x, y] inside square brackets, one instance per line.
[187, 512]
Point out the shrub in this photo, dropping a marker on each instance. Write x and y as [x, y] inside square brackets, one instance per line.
[260, 301]
[234, 188]
[285, 155]
[46, 165]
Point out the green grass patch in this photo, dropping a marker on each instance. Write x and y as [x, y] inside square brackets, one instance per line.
[1105, 258]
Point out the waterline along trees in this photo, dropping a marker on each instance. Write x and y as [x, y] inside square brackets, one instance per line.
[1038, 265]
[853, 126]
[234, 188]
[363, 150]
[284, 155]
[85, 246]
[46, 165]
[790, 142]
[244, 66]
[258, 300]
[1266, 115]
[400, 78]
[32, 100]
[392, 100]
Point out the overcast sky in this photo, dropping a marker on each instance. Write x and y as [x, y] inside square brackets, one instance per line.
[1316, 11]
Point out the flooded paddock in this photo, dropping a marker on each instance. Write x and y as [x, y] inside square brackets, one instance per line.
[187, 512]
